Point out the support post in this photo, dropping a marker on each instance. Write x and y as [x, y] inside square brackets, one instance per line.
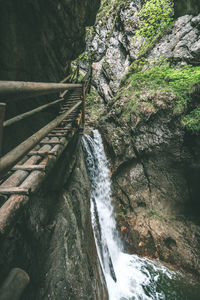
[83, 106]
[2, 116]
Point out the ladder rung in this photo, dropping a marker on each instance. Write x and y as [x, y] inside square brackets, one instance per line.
[57, 134]
[14, 190]
[59, 131]
[41, 153]
[29, 167]
[51, 142]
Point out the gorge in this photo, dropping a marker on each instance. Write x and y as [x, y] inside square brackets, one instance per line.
[145, 104]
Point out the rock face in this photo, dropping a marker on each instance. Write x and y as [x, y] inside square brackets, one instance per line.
[186, 7]
[53, 238]
[155, 166]
[181, 44]
[154, 161]
[116, 48]
[39, 39]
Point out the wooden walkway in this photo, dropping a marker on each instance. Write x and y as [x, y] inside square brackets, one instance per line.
[24, 168]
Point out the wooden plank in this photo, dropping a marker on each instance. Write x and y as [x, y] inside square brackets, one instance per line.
[15, 155]
[2, 115]
[14, 190]
[60, 130]
[11, 208]
[40, 153]
[51, 142]
[30, 113]
[29, 167]
[14, 285]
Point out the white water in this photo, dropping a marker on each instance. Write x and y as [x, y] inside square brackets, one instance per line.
[127, 276]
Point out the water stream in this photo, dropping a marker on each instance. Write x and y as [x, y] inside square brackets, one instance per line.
[128, 277]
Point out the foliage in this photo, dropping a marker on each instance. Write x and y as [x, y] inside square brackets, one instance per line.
[93, 104]
[192, 120]
[155, 213]
[161, 78]
[154, 17]
[85, 57]
[180, 81]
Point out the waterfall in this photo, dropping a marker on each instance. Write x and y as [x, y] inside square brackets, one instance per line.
[128, 277]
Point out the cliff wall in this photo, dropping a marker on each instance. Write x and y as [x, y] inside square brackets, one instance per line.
[52, 237]
[150, 125]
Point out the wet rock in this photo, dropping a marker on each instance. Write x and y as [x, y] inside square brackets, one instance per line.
[53, 238]
[156, 199]
[182, 44]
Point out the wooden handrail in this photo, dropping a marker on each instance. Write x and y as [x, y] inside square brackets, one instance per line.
[15, 155]
[30, 113]
[13, 90]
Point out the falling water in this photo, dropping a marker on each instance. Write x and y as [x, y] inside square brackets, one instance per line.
[128, 277]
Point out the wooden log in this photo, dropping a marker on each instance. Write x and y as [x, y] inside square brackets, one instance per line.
[15, 155]
[13, 90]
[51, 142]
[83, 106]
[2, 115]
[29, 167]
[14, 285]
[62, 95]
[14, 190]
[10, 209]
[30, 113]
[18, 177]
[33, 181]
[57, 135]
[59, 130]
[40, 153]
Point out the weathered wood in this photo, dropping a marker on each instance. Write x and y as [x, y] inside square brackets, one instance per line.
[30, 113]
[51, 142]
[83, 105]
[13, 90]
[2, 115]
[59, 130]
[14, 285]
[63, 94]
[10, 209]
[29, 167]
[58, 134]
[14, 190]
[33, 181]
[40, 153]
[14, 156]
[18, 177]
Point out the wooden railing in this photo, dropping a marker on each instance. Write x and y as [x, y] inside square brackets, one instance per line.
[13, 90]
[24, 168]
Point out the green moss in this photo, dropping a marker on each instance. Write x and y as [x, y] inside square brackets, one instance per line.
[192, 120]
[165, 78]
[93, 104]
[155, 213]
[160, 79]
[180, 81]
[155, 16]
